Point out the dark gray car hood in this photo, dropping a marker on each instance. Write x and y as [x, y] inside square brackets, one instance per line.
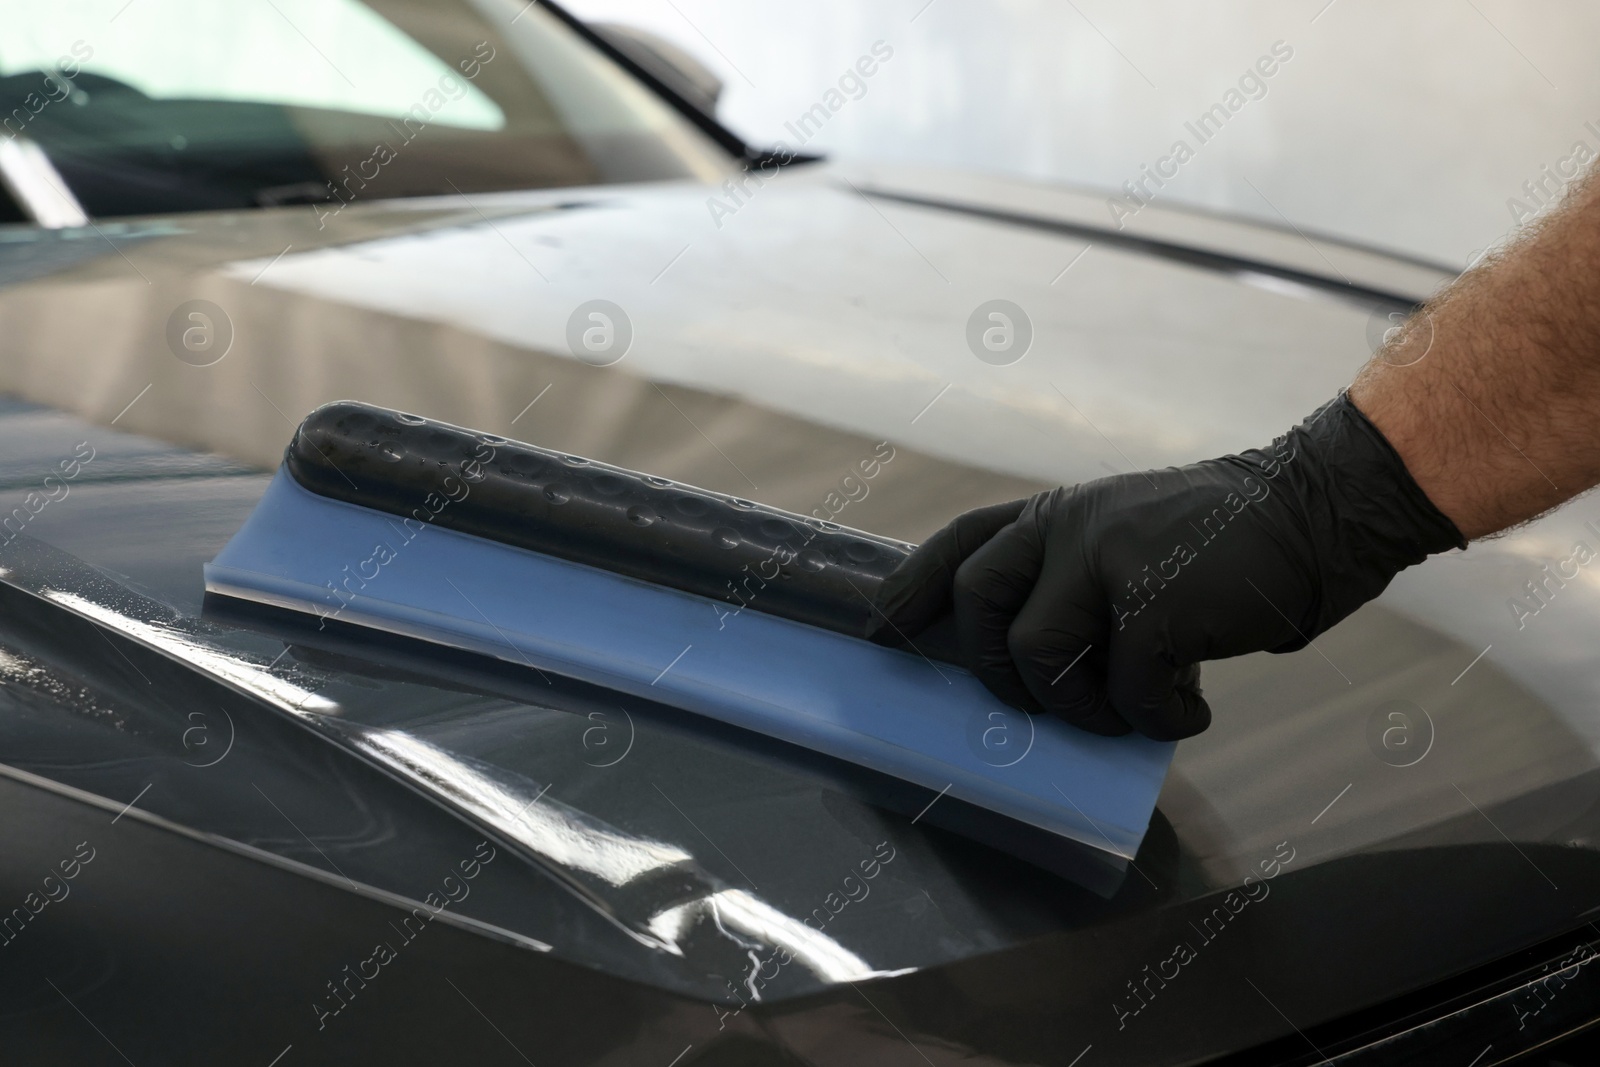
[774, 345]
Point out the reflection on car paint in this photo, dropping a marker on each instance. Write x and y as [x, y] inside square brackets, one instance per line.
[252, 678]
[592, 859]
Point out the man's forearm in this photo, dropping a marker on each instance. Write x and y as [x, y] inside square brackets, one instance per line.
[1491, 395]
[1095, 601]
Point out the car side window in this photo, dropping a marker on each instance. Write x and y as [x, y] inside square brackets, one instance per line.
[372, 66]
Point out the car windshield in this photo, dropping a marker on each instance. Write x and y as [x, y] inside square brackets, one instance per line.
[325, 102]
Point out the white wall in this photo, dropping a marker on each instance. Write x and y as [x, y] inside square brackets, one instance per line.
[1404, 125]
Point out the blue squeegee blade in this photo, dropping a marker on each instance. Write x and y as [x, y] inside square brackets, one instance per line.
[892, 711]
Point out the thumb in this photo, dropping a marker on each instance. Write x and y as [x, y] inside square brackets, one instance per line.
[918, 591]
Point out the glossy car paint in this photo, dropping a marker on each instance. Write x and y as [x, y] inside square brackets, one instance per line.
[771, 352]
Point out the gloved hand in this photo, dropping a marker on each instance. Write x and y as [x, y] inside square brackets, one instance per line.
[1098, 601]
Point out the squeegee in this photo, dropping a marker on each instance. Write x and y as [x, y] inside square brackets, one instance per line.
[714, 605]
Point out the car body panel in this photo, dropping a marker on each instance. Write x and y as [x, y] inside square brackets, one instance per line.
[770, 354]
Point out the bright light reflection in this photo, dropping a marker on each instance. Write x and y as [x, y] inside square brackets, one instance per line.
[549, 828]
[254, 680]
[563, 836]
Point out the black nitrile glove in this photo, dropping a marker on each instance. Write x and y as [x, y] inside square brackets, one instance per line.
[1098, 601]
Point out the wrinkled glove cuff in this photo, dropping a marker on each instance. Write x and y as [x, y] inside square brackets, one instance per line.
[1365, 515]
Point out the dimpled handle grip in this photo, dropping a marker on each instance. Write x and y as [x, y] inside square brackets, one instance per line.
[743, 554]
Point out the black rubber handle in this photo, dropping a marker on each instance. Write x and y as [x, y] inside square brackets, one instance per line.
[744, 554]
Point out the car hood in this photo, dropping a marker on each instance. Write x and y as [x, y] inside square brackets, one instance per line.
[780, 331]
[837, 299]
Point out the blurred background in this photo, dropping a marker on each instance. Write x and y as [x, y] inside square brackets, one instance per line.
[1412, 127]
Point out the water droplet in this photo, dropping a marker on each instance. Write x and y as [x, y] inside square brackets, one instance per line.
[410, 420]
[823, 524]
[575, 461]
[640, 515]
[653, 480]
[391, 453]
[748, 505]
[491, 439]
[557, 493]
[725, 537]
